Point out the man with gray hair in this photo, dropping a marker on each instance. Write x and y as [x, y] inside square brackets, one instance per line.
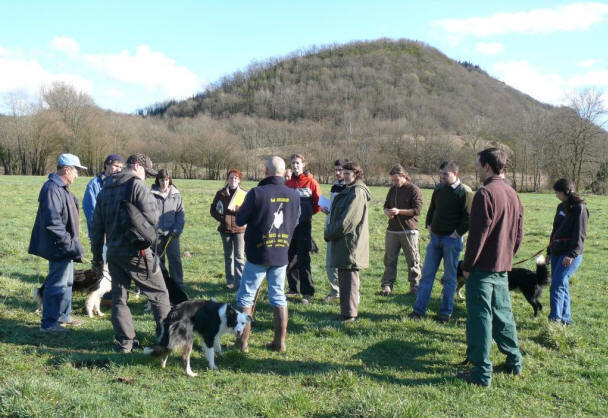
[126, 262]
[271, 212]
[55, 237]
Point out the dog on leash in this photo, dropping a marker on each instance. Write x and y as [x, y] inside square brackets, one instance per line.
[85, 281]
[530, 283]
[208, 318]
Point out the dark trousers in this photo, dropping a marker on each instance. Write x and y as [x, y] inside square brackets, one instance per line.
[148, 277]
[299, 276]
[173, 253]
[349, 292]
[489, 316]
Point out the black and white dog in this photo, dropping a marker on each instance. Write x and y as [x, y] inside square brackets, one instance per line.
[530, 283]
[85, 281]
[208, 318]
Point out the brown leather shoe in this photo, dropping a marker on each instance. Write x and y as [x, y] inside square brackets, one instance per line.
[280, 330]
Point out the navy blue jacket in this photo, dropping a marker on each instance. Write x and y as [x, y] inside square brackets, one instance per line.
[271, 213]
[55, 232]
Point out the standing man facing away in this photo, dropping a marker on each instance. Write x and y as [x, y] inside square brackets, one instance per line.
[402, 206]
[308, 189]
[496, 232]
[332, 272]
[447, 220]
[271, 213]
[55, 237]
[112, 164]
[126, 262]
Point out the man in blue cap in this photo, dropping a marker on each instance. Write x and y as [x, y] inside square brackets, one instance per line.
[55, 237]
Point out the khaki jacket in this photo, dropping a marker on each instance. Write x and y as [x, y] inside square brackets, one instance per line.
[348, 229]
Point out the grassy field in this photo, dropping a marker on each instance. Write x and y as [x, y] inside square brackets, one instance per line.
[379, 366]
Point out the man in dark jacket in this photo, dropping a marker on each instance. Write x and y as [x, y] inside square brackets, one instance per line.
[55, 237]
[495, 234]
[447, 221]
[271, 213]
[126, 262]
[308, 189]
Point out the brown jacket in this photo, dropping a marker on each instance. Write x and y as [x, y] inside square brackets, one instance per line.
[407, 196]
[496, 227]
[227, 218]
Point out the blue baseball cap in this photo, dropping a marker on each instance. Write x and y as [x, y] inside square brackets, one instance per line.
[70, 160]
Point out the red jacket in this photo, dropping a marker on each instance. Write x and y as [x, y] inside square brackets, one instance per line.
[309, 191]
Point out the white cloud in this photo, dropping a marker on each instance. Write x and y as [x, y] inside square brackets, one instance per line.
[29, 77]
[492, 48]
[590, 79]
[573, 17]
[153, 70]
[114, 93]
[548, 88]
[64, 44]
[1, 50]
[588, 63]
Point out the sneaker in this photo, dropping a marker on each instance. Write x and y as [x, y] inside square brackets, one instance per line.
[330, 298]
[444, 319]
[468, 377]
[54, 329]
[127, 350]
[386, 290]
[73, 322]
[414, 315]
[306, 299]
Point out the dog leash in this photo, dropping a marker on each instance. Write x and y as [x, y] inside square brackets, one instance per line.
[166, 245]
[530, 258]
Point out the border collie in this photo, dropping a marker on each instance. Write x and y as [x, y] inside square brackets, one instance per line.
[208, 318]
[529, 282]
[85, 281]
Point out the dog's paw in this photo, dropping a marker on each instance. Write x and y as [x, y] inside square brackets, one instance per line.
[190, 373]
[101, 313]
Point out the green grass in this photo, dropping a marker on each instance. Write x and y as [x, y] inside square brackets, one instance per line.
[378, 366]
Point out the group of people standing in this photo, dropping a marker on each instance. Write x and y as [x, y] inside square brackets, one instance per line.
[269, 227]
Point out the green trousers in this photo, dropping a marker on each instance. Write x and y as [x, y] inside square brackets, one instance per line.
[489, 316]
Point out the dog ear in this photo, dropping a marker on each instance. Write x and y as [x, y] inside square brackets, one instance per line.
[249, 318]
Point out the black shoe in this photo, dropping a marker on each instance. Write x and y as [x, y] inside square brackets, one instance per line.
[468, 377]
[415, 315]
[444, 319]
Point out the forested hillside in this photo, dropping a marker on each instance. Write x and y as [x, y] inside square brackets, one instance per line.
[377, 102]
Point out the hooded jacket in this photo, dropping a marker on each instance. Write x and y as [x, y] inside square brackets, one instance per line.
[55, 232]
[348, 229]
[171, 214]
[120, 186]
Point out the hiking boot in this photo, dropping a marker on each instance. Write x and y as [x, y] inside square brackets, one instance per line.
[54, 329]
[444, 319]
[386, 290]
[306, 299]
[73, 322]
[468, 377]
[348, 319]
[415, 315]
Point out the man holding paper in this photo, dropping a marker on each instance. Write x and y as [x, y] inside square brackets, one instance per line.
[224, 207]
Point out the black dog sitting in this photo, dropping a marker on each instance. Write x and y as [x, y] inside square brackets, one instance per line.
[529, 282]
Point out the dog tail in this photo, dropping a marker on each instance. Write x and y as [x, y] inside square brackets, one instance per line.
[542, 272]
[37, 295]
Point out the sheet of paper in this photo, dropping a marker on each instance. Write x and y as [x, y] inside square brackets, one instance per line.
[324, 202]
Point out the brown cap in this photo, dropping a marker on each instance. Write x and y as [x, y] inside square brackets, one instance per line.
[144, 161]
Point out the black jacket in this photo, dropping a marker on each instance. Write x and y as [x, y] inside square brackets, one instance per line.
[271, 213]
[569, 230]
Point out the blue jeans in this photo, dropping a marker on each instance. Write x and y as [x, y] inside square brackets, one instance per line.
[441, 246]
[559, 293]
[57, 295]
[253, 275]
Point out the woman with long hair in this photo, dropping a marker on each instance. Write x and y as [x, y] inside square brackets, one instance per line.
[224, 207]
[170, 224]
[566, 247]
[348, 232]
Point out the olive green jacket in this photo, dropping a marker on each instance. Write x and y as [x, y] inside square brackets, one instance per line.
[347, 229]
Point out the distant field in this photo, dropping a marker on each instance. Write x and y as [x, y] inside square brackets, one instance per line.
[379, 366]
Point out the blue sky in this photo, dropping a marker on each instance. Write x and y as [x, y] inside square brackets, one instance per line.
[130, 54]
